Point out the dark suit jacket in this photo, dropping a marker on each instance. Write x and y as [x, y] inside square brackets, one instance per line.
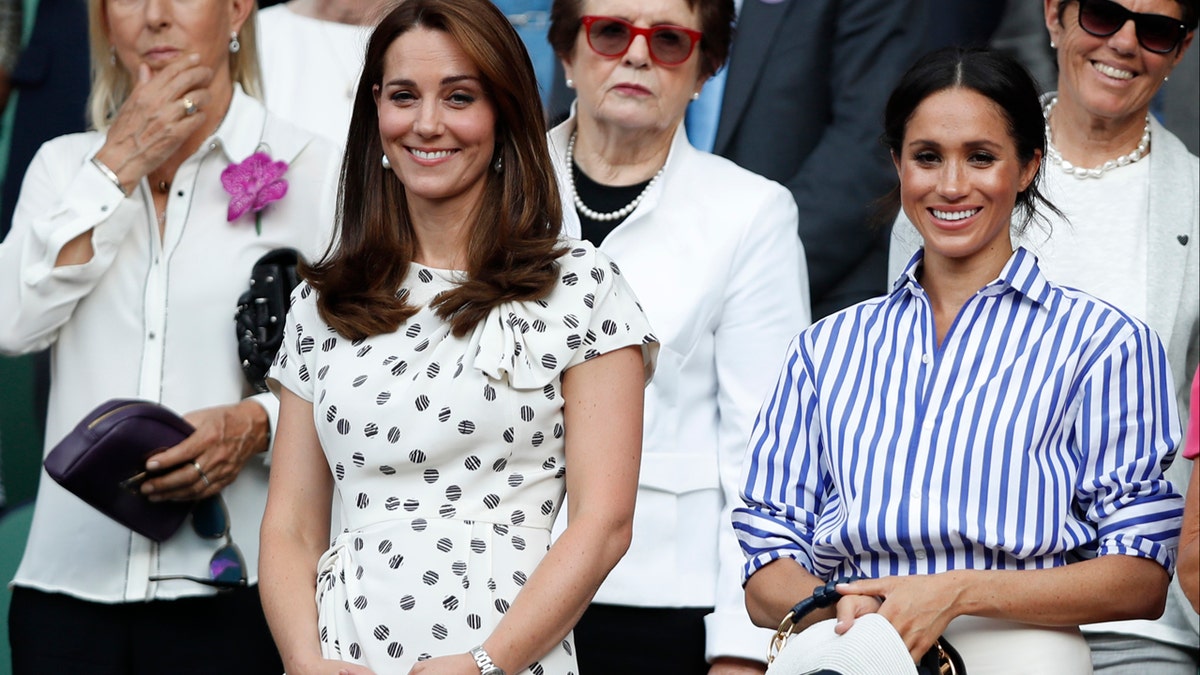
[803, 105]
[51, 80]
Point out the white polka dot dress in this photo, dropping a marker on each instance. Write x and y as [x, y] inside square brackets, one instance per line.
[447, 457]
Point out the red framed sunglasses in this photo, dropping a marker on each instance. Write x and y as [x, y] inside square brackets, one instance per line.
[669, 45]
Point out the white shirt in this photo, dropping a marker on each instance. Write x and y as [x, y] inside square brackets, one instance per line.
[310, 69]
[147, 318]
[1106, 231]
[715, 259]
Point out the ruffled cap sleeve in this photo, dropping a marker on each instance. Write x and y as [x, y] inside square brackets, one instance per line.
[590, 312]
[293, 365]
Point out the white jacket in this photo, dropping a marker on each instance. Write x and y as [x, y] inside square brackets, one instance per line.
[714, 257]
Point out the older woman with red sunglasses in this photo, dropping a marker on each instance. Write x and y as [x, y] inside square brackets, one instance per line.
[712, 252]
[1131, 235]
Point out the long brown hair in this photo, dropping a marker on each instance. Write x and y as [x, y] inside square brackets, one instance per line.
[513, 247]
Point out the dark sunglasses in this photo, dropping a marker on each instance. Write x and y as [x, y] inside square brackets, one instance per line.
[669, 45]
[226, 568]
[1155, 32]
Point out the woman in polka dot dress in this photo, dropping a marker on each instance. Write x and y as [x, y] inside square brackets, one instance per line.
[444, 365]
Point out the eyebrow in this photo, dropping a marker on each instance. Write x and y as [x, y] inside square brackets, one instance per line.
[453, 79]
[977, 143]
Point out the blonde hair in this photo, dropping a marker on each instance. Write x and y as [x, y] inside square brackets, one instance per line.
[111, 83]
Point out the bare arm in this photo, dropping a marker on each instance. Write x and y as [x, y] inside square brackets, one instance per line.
[294, 534]
[602, 410]
[1188, 565]
[1108, 588]
[776, 587]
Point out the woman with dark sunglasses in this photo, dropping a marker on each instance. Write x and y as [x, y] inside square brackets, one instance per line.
[1131, 230]
[712, 251]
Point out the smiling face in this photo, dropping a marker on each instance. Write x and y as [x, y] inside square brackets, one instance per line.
[632, 92]
[436, 123]
[157, 32]
[1112, 77]
[960, 175]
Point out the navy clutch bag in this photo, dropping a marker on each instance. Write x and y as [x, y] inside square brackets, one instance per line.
[102, 461]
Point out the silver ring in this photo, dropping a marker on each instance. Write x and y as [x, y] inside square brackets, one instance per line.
[203, 476]
[189, 109]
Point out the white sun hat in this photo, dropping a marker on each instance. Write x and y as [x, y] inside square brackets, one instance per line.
[871, 647]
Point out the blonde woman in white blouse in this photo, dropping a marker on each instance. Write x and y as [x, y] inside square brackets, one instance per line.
[123, 260]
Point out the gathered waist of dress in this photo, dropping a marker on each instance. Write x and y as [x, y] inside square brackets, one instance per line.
[362, 509]
[539, 528]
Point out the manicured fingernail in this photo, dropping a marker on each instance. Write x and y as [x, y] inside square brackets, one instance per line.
[152, 465]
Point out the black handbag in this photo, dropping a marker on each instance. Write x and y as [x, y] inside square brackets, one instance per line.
[941, 659]
[261, 311]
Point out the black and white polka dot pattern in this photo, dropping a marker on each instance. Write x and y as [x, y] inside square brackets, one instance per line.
[447, 456]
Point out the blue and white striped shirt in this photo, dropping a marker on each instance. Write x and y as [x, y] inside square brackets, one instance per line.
[1036, 435]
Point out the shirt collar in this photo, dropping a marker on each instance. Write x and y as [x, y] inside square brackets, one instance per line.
[241, 132]
[1021, 274]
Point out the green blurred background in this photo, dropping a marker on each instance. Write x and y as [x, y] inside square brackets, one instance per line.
[20, 431]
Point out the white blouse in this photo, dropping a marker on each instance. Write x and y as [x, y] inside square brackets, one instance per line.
[151, 318]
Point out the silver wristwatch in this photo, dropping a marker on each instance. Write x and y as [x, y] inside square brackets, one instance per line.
[486, 667]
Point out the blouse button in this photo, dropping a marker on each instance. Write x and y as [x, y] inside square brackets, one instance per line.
[925, 358]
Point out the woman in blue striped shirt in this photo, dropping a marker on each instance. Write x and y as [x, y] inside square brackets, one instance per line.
[986, 447]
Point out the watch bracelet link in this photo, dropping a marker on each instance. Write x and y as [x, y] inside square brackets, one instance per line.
[486, 666]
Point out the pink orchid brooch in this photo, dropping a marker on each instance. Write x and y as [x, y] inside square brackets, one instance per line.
[254, 184]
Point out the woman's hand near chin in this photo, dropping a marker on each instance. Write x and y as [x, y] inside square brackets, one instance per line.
[154, 122]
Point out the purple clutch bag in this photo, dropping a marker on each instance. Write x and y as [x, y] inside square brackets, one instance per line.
[103, 460]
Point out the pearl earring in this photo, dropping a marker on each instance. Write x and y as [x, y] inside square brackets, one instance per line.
[234, 45]
[1052, 45]
[498, 165]
[570, 83]
[387, 163]
[696, 96]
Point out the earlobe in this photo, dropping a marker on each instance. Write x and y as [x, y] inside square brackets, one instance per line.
[1187, 42]
[1029, 173]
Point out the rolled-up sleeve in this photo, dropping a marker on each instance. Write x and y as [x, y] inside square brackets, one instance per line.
[62, 197]
[782, 476]
[1127, 430]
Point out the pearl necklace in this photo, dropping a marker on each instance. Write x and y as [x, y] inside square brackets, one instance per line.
[1082, 173]
[596, 215]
